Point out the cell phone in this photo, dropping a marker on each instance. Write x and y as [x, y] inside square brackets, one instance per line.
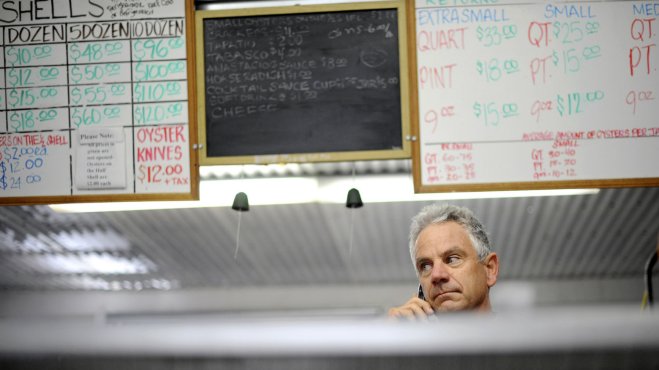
[420, 293]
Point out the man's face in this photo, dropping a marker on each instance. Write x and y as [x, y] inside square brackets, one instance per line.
[449, 269]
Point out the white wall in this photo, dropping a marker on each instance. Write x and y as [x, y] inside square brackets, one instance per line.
[328, 301]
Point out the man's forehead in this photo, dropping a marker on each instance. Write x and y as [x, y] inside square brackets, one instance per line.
[442, 237]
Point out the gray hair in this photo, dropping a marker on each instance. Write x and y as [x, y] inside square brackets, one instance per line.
[440, 213]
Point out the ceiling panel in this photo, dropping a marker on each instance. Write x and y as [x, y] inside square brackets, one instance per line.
[608, 235]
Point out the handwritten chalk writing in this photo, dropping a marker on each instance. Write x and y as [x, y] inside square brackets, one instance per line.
[60, 76]
[159, 153]
[495, 35]
[491, 114]
[95, 51]
[453, 38]
[283, 64]
[459, 2]
[634, 98]
[152, 49]
[457, 146]
[451, 163]
[159, 70]
[574, 103]
[639, 55]
[15, 153]
[21, 77]
[538, 136]
[57, 140]
[540, 106]
[98, 31]
[35, 34]
[165, 134]
[559, 163]
[28, 121]
[572, 61]
[567, 152]
[446, 16]
[18, 165]
[615, 133]
[333, 62]
[33, 97]
[26, 55]
[85, 117]
[148, 114]
[647, 9]
[573, 32]
[242, 110]
[568, 11]
[639, 132]
[641, 29]
[26, 11]
[536, 154]
[156, 173]
[21, 121]
[458, 162]
[538, 66]
[591, 52]
[91, 95]
[94, 72]
[570, 135]
[494, 68]
[143, 92]
[538, 33]
[40, 140]
[572, 51]
[559, 143]
[434, 77]
[432, 117]
[157, 27]
[294, 40]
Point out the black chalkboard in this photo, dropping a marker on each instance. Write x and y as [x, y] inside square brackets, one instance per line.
[314, 82]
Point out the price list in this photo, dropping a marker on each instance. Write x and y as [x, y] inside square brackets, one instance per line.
[94, 99]
[519, 92]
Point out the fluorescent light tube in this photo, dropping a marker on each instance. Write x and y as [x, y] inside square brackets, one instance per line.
[295, 190]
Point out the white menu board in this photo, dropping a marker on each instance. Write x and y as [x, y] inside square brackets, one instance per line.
[94, 99]
[531, 95]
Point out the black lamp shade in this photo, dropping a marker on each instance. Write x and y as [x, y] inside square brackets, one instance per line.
[354, 199]
[240, 202]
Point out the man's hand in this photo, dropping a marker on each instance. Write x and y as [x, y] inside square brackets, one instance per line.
[414, 309]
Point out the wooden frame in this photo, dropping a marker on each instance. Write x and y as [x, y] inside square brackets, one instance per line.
[419, 187]
[403, 44]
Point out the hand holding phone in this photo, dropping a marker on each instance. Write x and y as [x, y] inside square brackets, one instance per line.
[415, 308]
[420, 293]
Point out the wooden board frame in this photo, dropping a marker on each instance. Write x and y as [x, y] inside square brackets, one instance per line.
[499, 186]
[404, 45]
[192, 135]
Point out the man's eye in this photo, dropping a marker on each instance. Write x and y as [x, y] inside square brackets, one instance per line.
[425, 267]
[453, 260]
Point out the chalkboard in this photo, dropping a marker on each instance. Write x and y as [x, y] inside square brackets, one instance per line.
[303, 83]
[94, 101]
[515, 95]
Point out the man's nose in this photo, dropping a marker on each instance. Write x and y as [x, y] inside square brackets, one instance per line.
[439, 273]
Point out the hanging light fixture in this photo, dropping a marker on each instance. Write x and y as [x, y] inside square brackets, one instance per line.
[354, 199]
[240, 202]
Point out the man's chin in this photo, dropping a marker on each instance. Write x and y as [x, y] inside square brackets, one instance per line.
[444, 304]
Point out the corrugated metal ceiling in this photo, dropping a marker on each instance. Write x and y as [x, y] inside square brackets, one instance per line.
[608, 235]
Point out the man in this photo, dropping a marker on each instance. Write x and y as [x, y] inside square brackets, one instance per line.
[455, 266]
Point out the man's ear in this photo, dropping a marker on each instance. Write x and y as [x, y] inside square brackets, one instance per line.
[491, 264]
